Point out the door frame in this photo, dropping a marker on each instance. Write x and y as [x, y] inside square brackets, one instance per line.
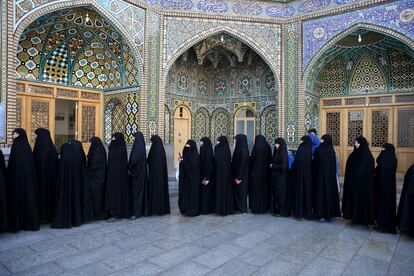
[26, 91]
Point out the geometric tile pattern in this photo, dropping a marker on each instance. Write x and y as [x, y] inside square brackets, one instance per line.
[115, 114]
[395, 16]
[261, 9]
[331, 79]
[132, 116]
[367, 77]
[220, 124]
[269, 124]
[311, 112]
[402, 71]
[291, 83]
[201, 124]
[76, 47]
[153, 31]
[167, 129]
[132, 19]
[361, 71]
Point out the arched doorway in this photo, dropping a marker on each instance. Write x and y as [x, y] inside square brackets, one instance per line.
[66, 59]
[218, 77]
[182, 130]
[364, 85]
[245, 123]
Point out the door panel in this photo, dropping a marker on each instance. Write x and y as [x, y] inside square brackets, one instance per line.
[89, 123]
[182, 131]
[40, 115]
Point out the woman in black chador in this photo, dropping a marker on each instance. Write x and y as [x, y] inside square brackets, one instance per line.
[21, 177]
[358, 198]
[4, 216]
[222, 178]
[405, 215]
[87, 198]
[325, 194]
[70, 197]
[206, 177]
[159, 197]
[259, 177]
[189, 182]
[302, 180]
[96, 169]
[46, 164]
[78, 146]
[386, 190]
[117, 182]
[279, 168]
[240, 170]
[137, 167]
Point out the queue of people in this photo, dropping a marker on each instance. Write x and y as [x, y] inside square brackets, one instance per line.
[72, 188]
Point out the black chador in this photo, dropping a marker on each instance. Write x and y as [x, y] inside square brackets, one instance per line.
[72, 179]
[159, 198]
[358, 198]
[189, 185]
[206, 177]
[4, 217]
[240, 173]
[222, 177]
[78, 146]
[87, 199]
[117, 182]
[21, 178]
[405, 215]
[96, 169]
[46, 164]
[259, 177]
[302, 180]
[137, 167]
[279, 175]
[386, 190]
[325, 194]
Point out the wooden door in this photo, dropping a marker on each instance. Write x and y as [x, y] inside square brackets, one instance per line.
[88, 123]
[182, 131]
[40, 113]
[332, 122]
[379, 128]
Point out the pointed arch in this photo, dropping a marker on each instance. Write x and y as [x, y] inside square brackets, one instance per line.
[367, 76]
[201, 124]
[248, 40]
[220, 124]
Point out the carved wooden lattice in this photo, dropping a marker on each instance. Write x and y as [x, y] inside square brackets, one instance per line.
[18, 112]
[333, 126]
[40, 116]
[88, 123]
[355, 125]
[118, 119]
[380, 121]
[40, 90]
[405, 128]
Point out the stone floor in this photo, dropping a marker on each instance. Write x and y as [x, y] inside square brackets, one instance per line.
[235, 245]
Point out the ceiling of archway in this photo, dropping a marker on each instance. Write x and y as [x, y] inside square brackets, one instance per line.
[363, 62]
[76, 47]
